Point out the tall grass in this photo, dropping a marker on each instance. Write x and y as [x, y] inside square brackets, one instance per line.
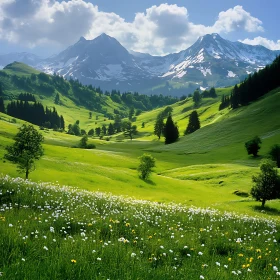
[57, 232]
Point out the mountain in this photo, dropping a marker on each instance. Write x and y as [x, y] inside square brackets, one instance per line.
[104, 62]
[210, 61]
[24, 57]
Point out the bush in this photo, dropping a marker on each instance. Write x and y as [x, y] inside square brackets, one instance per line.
[253, 146]
[90, 146]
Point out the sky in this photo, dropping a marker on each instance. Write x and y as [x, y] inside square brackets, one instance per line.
[46, 27]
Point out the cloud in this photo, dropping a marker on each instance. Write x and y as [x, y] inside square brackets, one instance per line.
[160, 29]
[237, 19]
[270, 44]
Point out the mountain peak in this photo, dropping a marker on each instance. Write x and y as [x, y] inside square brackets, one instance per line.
[82, 39]
[104, 36]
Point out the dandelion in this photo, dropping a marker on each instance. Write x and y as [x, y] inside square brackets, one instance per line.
[229, 259]
[73, 261]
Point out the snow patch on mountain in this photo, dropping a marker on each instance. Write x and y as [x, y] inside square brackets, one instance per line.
[204, 71]
[231, 74]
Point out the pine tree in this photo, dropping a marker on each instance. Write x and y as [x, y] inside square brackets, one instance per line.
[196, 98]
[171, 131]
[104, 129]
[57, 99]
[110, 129]
[2, 107]
[194, 123]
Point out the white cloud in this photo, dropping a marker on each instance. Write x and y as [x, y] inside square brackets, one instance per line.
[161, 29]
[237, 18]
[270, 44]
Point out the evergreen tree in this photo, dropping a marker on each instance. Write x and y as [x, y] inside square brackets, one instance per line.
[2, 107]
[171, 131]
[131, 113]
[194, 123]
[212, 92]
[196, 98]
[275, 154]
[104, 129]
[97, 131]
[110, 129]
[57, 99]
[62, 123]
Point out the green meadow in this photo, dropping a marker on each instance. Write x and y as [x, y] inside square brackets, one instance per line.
[86, 214]
[209, 168]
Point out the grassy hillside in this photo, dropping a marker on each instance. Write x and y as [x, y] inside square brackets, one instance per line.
[208, 168]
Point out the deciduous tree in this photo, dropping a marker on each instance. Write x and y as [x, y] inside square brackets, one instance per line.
[147, 162]
[266, 185]
[26, 149]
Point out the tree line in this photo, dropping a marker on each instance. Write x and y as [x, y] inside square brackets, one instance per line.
[35, 113]
[254, 86]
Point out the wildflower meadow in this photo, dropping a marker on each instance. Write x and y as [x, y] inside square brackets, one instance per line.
[57, 232]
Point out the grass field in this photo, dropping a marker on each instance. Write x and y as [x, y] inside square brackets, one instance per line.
[208, 168]
[179, 224]
[50, 231]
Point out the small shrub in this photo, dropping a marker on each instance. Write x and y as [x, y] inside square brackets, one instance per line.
[90, 146]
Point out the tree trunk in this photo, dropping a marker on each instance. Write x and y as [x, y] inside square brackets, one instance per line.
[263, 202]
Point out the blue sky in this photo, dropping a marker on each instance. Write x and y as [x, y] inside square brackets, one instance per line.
[45, 27]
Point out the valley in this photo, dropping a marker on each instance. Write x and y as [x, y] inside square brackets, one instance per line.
[139, 140]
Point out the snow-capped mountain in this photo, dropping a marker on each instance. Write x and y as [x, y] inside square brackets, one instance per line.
[210, 56]
[96, 61]
[104, 62]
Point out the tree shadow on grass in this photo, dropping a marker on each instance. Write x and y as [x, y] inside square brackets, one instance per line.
[150, 182]
[267, 210]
